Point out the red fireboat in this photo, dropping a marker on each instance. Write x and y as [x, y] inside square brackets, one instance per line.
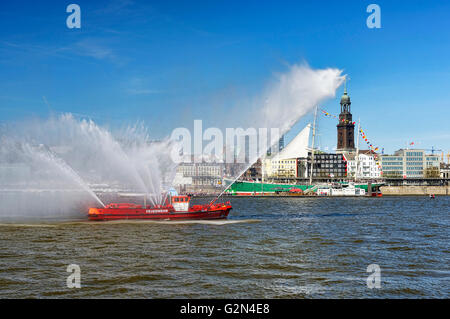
[176, 208]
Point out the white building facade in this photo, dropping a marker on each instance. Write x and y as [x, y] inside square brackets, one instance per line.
[362, 167]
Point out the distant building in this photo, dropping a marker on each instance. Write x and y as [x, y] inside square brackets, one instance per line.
[280, 168]
[254, 172]
[281, 143]
[445, 172]
[362, 167]
[410, 164]
[327, 166]
[199, 174]
[278, 146]
[392, 166]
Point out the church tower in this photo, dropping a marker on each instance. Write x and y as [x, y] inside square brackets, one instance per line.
[345, 128]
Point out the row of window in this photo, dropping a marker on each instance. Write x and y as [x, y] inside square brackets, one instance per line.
[391, 158]
[284, 162]
[414, 154]
[328, 161]
[392, 163]
[328, 170]
[327, 156]
[342, 167]
[328, 175]
[392, 167]
[414, 160]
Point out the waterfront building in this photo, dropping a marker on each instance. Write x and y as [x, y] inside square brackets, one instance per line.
[410, 164]
[432, 167]
[392, 166]
[280, 168]
[327, 166]
[445, 172]
[364, 166]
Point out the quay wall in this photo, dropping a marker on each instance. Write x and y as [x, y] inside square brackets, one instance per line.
[415, 190]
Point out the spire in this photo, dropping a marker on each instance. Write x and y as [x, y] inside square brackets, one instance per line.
[345, 99]
[345, 85]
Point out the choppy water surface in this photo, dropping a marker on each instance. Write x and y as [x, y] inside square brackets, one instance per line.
[270, 247]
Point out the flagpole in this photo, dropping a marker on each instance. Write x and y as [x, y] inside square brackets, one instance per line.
[357, 148]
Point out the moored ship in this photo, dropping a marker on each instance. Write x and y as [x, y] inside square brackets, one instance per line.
[336, 189]
[176, 208]
[247, 188]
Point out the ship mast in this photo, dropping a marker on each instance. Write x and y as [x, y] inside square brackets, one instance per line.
[262, 175]
[357, 148]
[312, 148]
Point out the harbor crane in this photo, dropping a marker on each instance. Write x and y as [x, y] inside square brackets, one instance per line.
[442, 153]
[433, 150]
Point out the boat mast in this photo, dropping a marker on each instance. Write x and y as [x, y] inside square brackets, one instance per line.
[262, 175]
[357, 148]
[312, 147]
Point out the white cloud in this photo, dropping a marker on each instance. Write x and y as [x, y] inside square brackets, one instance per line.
[93, 49]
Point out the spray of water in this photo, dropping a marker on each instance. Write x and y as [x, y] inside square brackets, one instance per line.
[295, 93]
[287, 99]
[61, 163]
[34, 183]
[42, 155]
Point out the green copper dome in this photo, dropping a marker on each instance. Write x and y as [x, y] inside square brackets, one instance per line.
[345, 99]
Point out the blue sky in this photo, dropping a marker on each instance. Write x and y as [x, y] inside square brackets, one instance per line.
[167, 63]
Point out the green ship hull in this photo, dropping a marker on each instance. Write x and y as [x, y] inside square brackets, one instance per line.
[256, 188]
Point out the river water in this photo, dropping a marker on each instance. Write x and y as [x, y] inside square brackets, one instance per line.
[268, 248]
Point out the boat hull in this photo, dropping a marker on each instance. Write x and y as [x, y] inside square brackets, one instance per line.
[157, 214]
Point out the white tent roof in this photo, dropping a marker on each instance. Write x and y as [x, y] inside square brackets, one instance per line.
[298, 147]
